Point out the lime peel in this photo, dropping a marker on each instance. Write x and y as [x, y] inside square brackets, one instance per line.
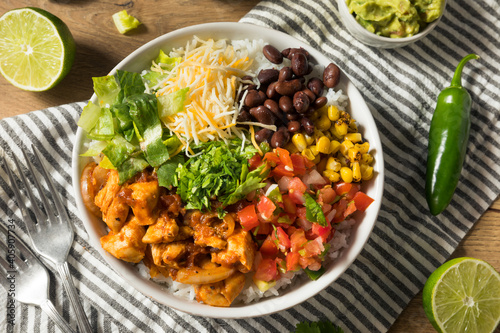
[463, 295]
[37, 49]
[125, 22]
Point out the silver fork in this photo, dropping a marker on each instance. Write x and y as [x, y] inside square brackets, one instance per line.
[52, 233]
[25, 278]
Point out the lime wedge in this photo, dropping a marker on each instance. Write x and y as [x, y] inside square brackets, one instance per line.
[125, 22]
[463, 295]
[36, 48]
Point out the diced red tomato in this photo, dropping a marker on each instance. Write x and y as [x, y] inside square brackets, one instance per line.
[343, 188]
[288, 204]
[272, 158]
[292, 261]
[339, 207]
[280, 236]
[351, 208]
[305, 262]
[320, 231]
[314, 247]
[255, 162]
[281, 170]
[285, 158]
[299, 167]
[354, 189]
[264, 228]
[266, 271]
[296, 190]
[248, 217]
[327, 195]
[268, 249]
[362, 201]
[298, 240]
[266, 208]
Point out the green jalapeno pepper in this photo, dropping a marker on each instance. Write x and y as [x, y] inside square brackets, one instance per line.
[448, 137]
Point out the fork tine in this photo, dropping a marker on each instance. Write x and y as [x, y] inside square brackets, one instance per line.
[42, 218]
[55, 194]
[30, 224]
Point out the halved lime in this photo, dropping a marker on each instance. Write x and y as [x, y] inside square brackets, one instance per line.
[36, 48]
[463, 295]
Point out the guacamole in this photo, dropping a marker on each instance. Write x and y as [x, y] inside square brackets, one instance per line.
[395, 18]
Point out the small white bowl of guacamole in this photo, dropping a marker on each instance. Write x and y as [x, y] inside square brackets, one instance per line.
[390, 23]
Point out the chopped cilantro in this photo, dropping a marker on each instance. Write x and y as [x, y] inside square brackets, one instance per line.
[317, 327]
[314, 213]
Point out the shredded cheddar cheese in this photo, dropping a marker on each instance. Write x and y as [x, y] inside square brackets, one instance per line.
[212, 70]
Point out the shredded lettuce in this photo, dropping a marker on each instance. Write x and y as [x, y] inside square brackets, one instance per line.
[118, 150]
[172, 103]
[104, 128]
[107, 89]
[89, 117]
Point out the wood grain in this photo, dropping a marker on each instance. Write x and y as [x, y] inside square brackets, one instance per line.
[100, 47]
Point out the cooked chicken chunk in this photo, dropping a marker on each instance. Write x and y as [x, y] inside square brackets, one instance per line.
[143, 200]
[171, 254]
[107, 201]
[221, 293]
[116, 214]
[240, 251]
[127, 244]
[165, 230]
[207, 236]
[154, 270]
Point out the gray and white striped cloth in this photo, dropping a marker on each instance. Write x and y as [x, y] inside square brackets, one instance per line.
[407, 244]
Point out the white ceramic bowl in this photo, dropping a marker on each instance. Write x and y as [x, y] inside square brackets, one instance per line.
[372, 39]
[141, 59]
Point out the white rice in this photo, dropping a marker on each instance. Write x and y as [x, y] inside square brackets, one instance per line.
[340, 240]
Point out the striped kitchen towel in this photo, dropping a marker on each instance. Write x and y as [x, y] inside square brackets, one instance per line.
[407, 243]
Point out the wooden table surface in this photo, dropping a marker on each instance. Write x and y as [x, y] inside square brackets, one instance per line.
[100, 47]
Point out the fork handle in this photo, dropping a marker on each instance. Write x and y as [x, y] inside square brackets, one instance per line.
[51, 311]
[81, 317]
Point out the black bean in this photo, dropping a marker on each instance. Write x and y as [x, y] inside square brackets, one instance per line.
[320, 102]
[280, 138]
[267, 76]
[272, 54]
[308, 125]
[292, 51]
[263, 115]
[286, 74]
[272, 105]
[263, 135]
[310, 94]
[301, 101]
[299, 64]
[294, 126]
[254, 98]
[271, 90]
[288, 87]
[331, 75]
[316, 86]
[286, 104]
[244, 116]
[293, 116]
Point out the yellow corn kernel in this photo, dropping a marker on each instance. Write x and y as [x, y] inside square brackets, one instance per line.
[333, 113]
[352, 126]
[328, 135]
[366, 159]
[291, 147]
[345, 146]
[366, 172]
[315, 115]
[363, 147]
[323, 145]
[321, 166]
[353, 154]
[356, 172]
[323, 123]
[334, 147]
[333, 164]
[354, 137]
[309, 139]
[343, 161]
[317, 159]
[323, 110]
[314, 150]
[346, 174]
[299, 141]
[341, 127]
[331, 175]
[308, 154]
